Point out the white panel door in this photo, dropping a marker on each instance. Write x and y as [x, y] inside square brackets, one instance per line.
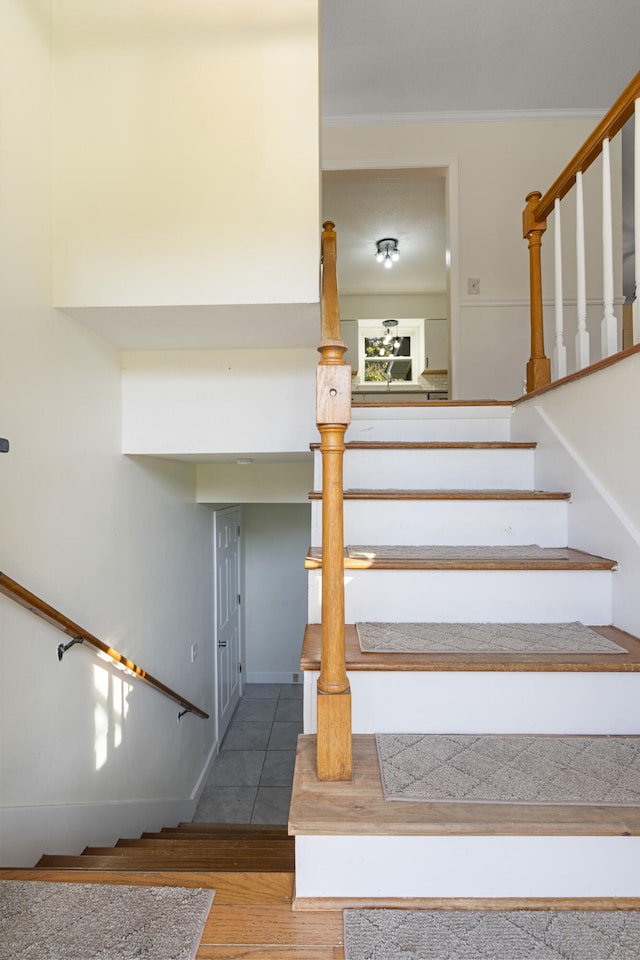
[227, 528]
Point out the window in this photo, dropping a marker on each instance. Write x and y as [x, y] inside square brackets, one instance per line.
[390, 351]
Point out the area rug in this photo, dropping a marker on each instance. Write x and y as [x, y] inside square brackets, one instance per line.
[395, 552]
[482, 638]
[511, 768]
[491, 935]
[86, 921]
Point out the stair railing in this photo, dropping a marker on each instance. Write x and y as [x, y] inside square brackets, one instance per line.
[534, 221]
[333, 415]
[15, 591]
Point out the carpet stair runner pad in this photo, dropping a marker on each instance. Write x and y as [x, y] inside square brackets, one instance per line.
[427, 552]
[512, 768]
[375, 637]
[492, 935]
[78, 921]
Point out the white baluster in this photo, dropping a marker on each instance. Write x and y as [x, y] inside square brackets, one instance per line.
[559, 351]
[582, 336]
[636, 219]
[609, 325]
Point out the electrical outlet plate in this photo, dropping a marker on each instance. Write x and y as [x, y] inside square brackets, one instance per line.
[473, 285]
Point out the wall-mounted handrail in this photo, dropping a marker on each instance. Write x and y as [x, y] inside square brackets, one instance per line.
[15, 591]
[333, 415]
[540, 206]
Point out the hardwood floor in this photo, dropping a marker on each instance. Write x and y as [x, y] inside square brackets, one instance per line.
[251, 917]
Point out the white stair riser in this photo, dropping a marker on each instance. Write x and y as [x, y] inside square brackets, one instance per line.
[487, 702]
[437, 469]
[455, 522]
[402, 866]
[427, 430]
[472, 596]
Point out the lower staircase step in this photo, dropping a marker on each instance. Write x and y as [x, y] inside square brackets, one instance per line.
[497, 659]
[487, 557]
[358, 808]
[388, 849]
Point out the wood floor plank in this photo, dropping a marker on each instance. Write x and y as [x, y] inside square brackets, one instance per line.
[271, 926]
[359, 808]
[530, 662]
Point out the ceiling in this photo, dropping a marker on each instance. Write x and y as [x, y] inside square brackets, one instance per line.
[447, 60]
[405, 57]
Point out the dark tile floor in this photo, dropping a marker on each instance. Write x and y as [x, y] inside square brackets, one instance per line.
[251, 778]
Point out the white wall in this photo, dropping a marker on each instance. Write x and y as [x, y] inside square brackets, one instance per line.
[186, 152]
[276, 539]
[586, 433]
[117, 544]
[497, 165]
[219, 401]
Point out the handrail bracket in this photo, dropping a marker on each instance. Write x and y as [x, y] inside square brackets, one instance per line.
[63, 647]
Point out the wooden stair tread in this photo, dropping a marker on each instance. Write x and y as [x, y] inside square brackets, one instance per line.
[570, 560]
[241, 845]
[228, 830]
[435, 445]
[508, 662]
[358, 808]
[150, 863]
[432, 403]
[230, 887]
[441, 494]
[172, 849]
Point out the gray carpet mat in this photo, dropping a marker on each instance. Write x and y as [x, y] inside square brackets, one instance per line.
[90, 921]
[420, 552]
[491, 935]
[375, 637]
[511, 768]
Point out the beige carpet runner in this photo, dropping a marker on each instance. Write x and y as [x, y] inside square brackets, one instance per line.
[427, 638]
[510, 768]
[420, 552]
[492, 935]
[91, 921]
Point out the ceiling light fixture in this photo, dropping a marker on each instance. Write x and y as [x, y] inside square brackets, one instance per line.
[387, 251]
[390, 331]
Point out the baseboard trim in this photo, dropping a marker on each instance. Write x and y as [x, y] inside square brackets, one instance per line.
[259, 677]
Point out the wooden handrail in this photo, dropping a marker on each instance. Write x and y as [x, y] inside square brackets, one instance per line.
[611, 123]
[35, 604]
[538, 208]
[333, 415]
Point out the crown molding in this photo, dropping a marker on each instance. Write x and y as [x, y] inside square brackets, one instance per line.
[464, 116]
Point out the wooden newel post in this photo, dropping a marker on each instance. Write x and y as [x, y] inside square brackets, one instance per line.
[539, 366]
[333, 415]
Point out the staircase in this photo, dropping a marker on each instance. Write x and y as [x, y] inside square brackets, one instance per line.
[249, 867]
[448, 476]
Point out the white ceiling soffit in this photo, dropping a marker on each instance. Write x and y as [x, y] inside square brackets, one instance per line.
[201, 327]
[475, 59]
